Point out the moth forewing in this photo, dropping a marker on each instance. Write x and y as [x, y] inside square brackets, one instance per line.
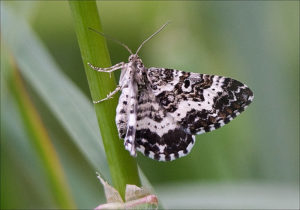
[129, 140]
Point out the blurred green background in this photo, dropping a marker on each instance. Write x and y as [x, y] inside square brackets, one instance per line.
[251, 163]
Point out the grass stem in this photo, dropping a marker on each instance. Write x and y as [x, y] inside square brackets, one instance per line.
[123, 167]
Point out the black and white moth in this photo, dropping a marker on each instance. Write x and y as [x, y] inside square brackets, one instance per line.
[161, 110]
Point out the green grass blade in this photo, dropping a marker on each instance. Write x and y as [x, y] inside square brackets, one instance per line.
[42, 143]
[93, 48]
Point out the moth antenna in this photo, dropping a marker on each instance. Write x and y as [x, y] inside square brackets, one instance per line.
[150, 37]
[113, 39]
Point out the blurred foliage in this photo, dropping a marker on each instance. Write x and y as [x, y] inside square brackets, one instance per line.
[254, 42]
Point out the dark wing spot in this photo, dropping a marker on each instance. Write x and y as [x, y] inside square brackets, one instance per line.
[130, 131]
[186, 83]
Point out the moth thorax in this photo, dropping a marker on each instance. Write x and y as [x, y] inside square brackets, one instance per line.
[139, 73]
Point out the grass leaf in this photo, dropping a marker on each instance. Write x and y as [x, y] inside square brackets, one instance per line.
[42, 143]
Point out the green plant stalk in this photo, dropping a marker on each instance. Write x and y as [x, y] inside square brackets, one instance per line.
[42, 143]
[123, 167]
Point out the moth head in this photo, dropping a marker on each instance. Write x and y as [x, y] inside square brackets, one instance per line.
[133, 58]
[137, 62]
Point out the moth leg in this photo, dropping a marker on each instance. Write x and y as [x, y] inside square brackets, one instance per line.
[108, 69]
[109, 95]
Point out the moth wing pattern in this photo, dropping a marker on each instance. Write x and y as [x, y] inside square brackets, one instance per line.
[158, 135]
[122, 113]
[198, 102]
[175, 106]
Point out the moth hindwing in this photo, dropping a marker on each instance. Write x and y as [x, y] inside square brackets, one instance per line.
[161, 110]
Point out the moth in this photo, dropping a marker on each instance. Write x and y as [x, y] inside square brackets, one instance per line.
[160, 110]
